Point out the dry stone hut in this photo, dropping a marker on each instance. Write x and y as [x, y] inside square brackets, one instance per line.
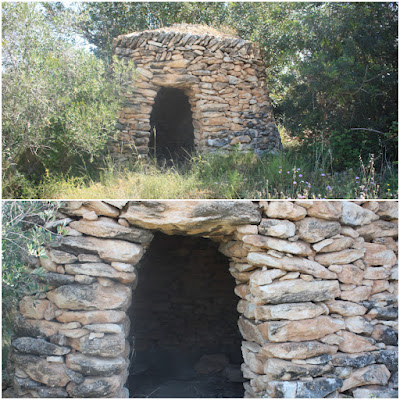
[196, 88]
[221, 298]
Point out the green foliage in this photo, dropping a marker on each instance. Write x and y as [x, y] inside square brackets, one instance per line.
[59, 104]
[24, 237]
[332, 67]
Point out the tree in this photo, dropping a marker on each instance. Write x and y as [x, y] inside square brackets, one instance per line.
[333, 71]
[59, 103]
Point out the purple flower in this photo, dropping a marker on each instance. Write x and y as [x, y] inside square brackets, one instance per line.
[329, 188]
[288, 172]
[279, 172]
[298, 169]
[357, 178]
[294, 183]
[300, 175]
[322, 174]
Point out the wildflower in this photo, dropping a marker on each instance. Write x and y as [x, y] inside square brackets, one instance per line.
[288, 172]
[329, 188]
[357, 178]
[47, 172]
[298, 169]
[279, 172]
[294, 183]
[322, 174]
[300, 175]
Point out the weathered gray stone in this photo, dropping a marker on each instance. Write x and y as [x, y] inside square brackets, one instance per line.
[193, 217]
[277, 228]
[298, 248]
[39, 347]
[348, 273]
[378, 229]
[250, 331]
[91, 297]
[56, 392]
[285, 210]
[110, 345]
[100, 269]
[317, 388]
[26, 327]
[357, 294]
[376, 374]
[261, 277]
[61, 257]
[297, 331]
[105, 328]
[95, 366]
[331, 245]
[353, 343]
[296, 291]
[388, 210]
[21, 385]
[377, 254]
[358, 324]
[55, 280]
[375, 393]
[286, 370]
[35, 308]
[96, 387]
[290, 311]
[385, 334]
[78, 208]
[330, 210]
[296, 350]
[389, 357]
[107, 249]
[355, 215]
[295, 264]
[340, 257]
[357, 360]
[50, 374]
[314, 230]
[107, 228]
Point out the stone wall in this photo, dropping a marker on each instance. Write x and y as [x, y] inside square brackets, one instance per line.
[317, 282]
[222, 76]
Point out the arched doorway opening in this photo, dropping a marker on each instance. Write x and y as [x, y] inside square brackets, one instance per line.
[171, 135]
[184, 322]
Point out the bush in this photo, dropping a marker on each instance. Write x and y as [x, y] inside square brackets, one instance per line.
[23, 239]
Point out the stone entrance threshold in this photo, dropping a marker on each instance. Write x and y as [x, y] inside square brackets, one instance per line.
[316, 283]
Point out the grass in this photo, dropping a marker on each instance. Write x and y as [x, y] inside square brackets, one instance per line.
[298, 172]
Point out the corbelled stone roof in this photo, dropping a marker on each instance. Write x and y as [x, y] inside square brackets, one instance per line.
[184, 35]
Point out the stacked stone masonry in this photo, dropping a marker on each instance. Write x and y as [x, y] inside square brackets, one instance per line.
[316, 281]
[222, 76]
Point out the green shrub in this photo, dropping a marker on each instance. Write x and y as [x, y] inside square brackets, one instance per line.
[59, 102]
[24, 237]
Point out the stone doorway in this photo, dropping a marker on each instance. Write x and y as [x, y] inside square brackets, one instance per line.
[184, 322]
[172, 135]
